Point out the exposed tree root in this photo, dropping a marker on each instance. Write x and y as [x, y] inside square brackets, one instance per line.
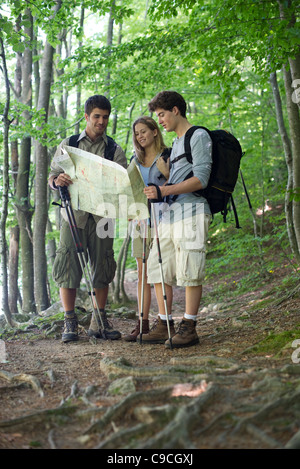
[121, 438]
[74, 393]
[121, 367]
[294, 442]
[23, 378]
[287, 296]
[262, 436]
[51, 439]
[38, 417]
[125, 405]
[177, 433]
[283, 403]
[176, 429]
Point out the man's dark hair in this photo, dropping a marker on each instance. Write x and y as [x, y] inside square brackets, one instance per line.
[167, 100]
[98, 101]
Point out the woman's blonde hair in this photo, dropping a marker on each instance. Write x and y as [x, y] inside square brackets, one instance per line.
[152, 125]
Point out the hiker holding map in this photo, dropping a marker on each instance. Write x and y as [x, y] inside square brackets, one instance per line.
[67, 271]
[152, 161]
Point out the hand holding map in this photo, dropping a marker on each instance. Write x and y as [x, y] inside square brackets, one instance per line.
[103, 187]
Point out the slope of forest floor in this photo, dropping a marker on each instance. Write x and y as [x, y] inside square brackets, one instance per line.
[239, 388]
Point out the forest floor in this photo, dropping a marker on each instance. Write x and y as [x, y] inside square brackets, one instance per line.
[239, 388]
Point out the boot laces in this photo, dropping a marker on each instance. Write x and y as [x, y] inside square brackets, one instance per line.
[136, 329]
[106, 323]
[154, 325]
[182, 328]
[70, 324]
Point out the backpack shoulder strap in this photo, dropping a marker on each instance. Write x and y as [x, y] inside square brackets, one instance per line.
[187, 143]
[166, 153]
[110, 148]
[73, 141]
[109, 151]
[187, 140]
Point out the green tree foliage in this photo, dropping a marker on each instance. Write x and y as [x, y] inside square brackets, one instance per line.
[218, 54]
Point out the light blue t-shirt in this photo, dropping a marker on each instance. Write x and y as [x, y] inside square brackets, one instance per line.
[145, 173]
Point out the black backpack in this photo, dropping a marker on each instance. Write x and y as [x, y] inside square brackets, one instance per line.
[109, 151]
[226, 157]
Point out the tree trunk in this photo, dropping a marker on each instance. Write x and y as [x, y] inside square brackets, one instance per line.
[4, 208]
[109, 42]
[13, 290]
[294, 124]
[36, 71]
[295, 71]
[13, 258]
[295, 75]
[117, 281]
[51, 245]
[41, 183]
[62, 99]
[123, 269]
[41, 197]
[289, 162]
[23, 206]
[115, 114]
[293, 116]
[78, 91]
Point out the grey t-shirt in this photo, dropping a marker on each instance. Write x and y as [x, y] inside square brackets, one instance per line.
[201, 149]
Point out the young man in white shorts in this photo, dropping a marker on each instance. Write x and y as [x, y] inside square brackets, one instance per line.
[183, 226]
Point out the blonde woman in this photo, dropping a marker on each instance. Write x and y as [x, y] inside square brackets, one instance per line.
[152, 158]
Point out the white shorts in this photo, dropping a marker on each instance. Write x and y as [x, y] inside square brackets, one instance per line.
[183, 251]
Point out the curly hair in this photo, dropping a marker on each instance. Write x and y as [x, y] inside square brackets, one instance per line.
[167, 100]
[152, 125]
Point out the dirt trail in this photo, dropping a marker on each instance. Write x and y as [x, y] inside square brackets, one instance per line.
[225, 392]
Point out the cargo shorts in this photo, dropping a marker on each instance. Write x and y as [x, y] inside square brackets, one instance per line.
[67, 271]
[183, 252]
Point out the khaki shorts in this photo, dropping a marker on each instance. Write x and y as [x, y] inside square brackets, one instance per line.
[66, 270]
[137, 240]
[183, 252]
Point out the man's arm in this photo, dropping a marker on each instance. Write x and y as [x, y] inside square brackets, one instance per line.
[189, 185]
[119, 157]
[56, 176]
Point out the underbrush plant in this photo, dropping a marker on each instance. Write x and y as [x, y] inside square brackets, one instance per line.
[238, 259]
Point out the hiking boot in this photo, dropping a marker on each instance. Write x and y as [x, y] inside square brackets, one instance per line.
[132, 337]
[70, 332]
[186, 335]
[110, 332]
[158, 333]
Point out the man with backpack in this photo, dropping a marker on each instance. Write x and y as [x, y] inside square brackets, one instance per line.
[183, 226]
[67, 271]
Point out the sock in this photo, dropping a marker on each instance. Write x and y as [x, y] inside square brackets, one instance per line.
[70, 314]
[190, 316]
[163, 317]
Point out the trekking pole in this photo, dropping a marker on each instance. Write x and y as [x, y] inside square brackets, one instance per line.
[161, 269]
[85, 267]
[144, 224]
